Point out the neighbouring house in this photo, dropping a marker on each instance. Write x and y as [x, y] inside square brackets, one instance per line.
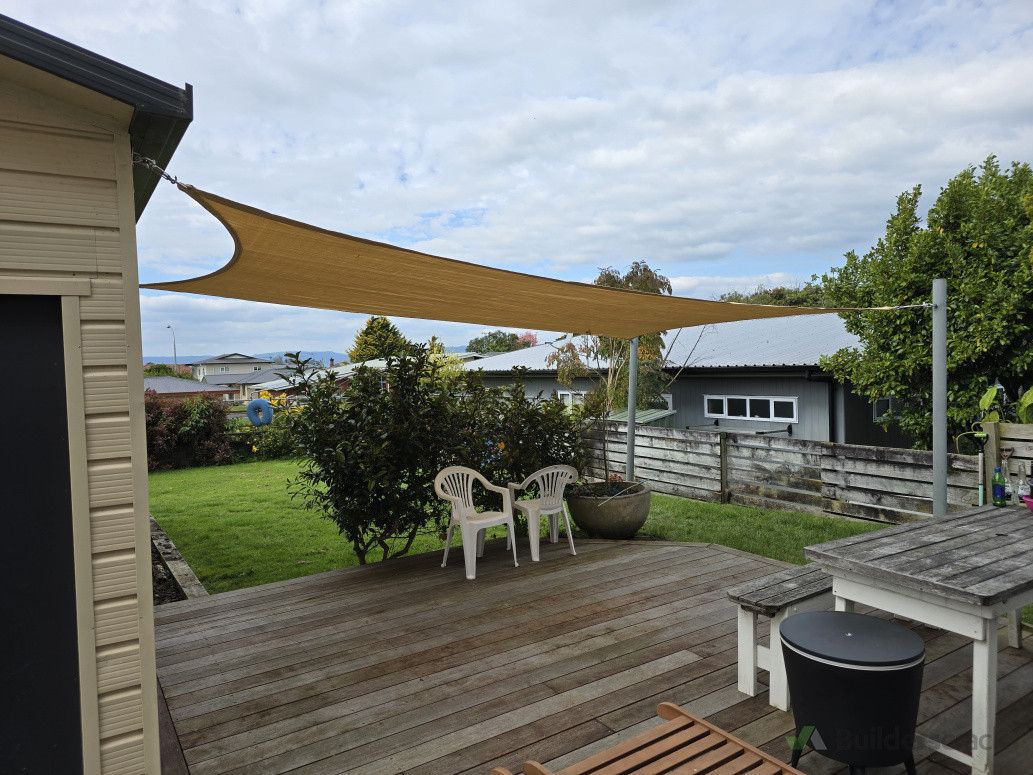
[747, 376]
[343, 374]
[176, 387]
[242, 384]
[228, 364]
[79, 693]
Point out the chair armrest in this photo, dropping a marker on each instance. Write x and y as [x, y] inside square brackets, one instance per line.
[501, 771]
[505, 492]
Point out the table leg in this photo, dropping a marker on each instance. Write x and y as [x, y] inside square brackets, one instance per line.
[984, 700]
[842, 604]
[1015, 628]
[747, 652]
[778, 682]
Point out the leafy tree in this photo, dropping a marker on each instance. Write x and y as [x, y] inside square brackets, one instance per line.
[379, 338]
[369, 456]
[807, 295]
[978, 236]
[164, 370]
[501, 342]
[446, 364]
[607, 358]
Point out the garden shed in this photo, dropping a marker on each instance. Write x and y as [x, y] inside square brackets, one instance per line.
[79, 660]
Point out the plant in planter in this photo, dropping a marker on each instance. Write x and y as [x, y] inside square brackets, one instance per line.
[612, 509]
[606, 361]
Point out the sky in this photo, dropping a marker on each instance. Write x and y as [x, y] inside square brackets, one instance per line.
[728, 145]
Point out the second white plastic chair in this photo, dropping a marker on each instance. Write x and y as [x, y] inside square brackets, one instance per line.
[551, 481]
[455, 484]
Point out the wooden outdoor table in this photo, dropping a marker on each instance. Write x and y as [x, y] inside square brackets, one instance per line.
[959, 573]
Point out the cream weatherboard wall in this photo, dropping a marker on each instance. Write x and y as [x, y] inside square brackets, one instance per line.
[67, 229]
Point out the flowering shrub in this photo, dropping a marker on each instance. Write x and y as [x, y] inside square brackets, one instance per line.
[274, 441]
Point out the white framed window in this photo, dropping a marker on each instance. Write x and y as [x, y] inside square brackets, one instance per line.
[883, 407]
[256, 368]
[762, 408]
[570, 398]
[224, 369]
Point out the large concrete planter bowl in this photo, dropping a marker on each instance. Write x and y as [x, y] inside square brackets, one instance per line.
[616, 518]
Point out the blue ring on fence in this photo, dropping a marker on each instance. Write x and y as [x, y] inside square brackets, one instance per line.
[260, 412]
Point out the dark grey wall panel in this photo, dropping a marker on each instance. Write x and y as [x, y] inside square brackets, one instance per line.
[41, 729]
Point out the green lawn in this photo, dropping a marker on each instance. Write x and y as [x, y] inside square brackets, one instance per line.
[237, 526]
[781, 535]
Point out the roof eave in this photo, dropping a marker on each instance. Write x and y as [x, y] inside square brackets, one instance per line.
[162, 112]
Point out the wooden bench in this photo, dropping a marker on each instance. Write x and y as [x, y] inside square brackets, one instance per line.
[801, 588]
[685, 744]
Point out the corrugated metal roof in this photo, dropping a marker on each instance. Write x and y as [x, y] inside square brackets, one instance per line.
[788, 341]
[340, 371]
[642, 416]
[162, 385]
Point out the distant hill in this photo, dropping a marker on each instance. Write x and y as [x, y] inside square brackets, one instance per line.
[169, 360]
[318, 355]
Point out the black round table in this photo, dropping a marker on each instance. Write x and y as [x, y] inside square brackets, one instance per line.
[854, 685]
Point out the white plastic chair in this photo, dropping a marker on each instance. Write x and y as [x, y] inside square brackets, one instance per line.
[550, 481]
[455, 484]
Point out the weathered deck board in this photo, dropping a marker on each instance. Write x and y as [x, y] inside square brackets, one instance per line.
[407, 667]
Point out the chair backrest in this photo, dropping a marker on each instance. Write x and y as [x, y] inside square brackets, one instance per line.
[551, 481]
[455, 484]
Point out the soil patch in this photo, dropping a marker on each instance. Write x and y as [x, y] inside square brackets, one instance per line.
[165, 589]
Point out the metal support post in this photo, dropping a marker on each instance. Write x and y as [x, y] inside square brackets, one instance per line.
[629, 468]
[939, 398]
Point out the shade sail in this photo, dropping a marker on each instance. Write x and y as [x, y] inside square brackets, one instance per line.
[281, 261]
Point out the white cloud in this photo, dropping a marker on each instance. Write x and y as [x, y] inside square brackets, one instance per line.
[712, 287]
[716, 141]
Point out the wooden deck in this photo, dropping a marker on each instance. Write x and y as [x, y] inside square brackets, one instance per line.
[405, 667]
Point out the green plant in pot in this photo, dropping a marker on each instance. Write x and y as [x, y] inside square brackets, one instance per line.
[612, 509]
[996, 407]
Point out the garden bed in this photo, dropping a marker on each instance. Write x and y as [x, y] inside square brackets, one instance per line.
[163, 585]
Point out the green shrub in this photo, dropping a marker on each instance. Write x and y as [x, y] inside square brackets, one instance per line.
[370, 455]
[274, 441]
[185, 432]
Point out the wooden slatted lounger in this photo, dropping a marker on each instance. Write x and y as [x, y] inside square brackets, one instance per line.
[685, 745]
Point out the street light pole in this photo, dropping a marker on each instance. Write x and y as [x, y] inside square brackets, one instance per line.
[175, 357]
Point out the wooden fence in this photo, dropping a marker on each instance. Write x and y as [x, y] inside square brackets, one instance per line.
[1013, 440]
[878, 483]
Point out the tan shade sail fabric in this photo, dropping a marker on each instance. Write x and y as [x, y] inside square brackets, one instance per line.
[281, 261]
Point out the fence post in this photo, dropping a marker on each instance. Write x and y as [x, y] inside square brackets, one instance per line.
[723, 452]
[992, 458]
